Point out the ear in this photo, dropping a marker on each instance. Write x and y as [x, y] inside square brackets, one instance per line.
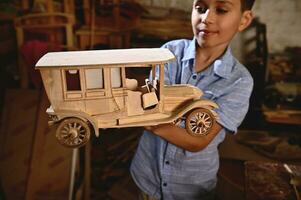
[246, 19]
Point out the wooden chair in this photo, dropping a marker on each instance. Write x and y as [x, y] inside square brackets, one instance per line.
[104, 24]
[54, 25]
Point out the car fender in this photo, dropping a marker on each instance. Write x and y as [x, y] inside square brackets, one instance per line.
[64, 114]
[200, 103]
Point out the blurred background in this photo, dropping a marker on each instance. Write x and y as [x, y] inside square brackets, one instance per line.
[34, 166]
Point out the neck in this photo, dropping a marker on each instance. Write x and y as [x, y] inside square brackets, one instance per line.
[205, 56]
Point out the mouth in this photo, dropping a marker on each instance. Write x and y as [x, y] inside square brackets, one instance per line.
[207, 33]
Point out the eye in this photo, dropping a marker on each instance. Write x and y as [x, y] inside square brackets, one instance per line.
[221, 10]
[201, 9]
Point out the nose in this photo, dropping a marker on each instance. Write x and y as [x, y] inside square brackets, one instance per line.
[207, 17]
[204, 16]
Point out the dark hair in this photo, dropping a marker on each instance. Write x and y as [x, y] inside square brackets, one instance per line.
[247, 4]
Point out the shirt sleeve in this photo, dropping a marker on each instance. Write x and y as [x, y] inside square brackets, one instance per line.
[234, 103]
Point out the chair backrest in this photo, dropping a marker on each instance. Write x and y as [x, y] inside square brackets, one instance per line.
[49, 6]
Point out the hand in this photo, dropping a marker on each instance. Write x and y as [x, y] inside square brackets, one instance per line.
[150, 128]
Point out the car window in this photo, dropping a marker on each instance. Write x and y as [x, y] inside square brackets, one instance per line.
[94, 78]
[72, 80]
[116, 77]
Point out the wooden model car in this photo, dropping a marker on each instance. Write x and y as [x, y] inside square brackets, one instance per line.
[89, 90]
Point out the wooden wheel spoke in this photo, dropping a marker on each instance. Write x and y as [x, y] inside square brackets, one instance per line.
[79, 127]
[68, 141]
[82, 136]
[193, 123]
[207, 124]
[65, 136]
[75, 125]
[207, 118]
[193, 128]
[194, 119]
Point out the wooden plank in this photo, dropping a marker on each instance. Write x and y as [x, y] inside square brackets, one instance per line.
[284, 116]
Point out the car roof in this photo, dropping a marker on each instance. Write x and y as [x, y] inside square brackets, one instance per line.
[106, 58]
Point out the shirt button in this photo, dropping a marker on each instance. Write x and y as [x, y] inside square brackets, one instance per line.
[167, 162]
[194, 76]
[164, 184]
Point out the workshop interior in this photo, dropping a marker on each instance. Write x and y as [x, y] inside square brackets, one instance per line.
[262, 161]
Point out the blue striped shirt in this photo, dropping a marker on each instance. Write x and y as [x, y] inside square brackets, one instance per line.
[165, 171]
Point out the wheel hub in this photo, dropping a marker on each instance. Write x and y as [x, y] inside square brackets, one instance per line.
[73, 133]
[200, 122]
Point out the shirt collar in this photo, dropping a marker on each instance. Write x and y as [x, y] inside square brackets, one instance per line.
[221, 66]
[190, 52]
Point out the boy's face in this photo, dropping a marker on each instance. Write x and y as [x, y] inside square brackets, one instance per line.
[215, 22]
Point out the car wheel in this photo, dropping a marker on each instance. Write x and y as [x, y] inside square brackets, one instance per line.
[73, 132]
[199, 122]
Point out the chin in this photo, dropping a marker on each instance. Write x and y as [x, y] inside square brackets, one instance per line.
[201, 42]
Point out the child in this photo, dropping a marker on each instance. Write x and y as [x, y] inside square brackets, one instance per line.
[169, 163]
